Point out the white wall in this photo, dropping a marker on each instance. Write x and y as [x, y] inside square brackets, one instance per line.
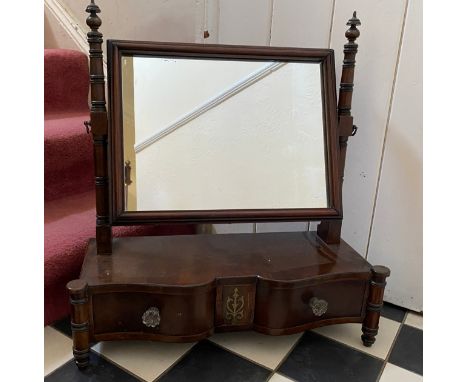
[197, 166]
[382, 190]
[396, 235]
[191, 83]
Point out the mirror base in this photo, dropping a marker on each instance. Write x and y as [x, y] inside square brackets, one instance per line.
[199, 284]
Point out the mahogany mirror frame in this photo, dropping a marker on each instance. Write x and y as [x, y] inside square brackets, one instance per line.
[116, 49]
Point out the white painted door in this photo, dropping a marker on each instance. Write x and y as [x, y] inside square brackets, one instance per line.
[396, 232]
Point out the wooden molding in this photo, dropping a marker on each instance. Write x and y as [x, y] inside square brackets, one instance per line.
[70, 25]
[237, 87]
[68, 22]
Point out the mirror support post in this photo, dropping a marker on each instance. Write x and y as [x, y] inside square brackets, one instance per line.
[99, 130]
[330, 230]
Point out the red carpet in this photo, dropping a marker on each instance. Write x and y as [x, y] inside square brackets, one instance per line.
[66, 81]
[69, 215]
[68, 156]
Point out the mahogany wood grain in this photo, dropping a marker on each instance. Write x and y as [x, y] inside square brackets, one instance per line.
[196, 260]
[281, 308]
[188, 315]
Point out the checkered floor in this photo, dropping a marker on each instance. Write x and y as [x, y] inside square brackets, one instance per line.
[329, 354]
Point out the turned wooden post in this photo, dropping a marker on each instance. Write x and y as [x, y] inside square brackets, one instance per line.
[370, 326]
[79, 321]
[345, 120]
[99, 130]
[330, 230]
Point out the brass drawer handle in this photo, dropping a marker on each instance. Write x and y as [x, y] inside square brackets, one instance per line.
[151, 318]
[319, 307]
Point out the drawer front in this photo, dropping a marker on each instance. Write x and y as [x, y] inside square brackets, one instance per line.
[288, 307]
[156, 313]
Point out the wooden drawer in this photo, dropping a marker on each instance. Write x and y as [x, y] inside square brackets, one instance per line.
[283, 308]
[166, 317]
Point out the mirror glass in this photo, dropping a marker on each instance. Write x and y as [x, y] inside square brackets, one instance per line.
[210, 134]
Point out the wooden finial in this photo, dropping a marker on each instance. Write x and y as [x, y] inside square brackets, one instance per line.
[92, 8]
[353, 33]
[93, 20]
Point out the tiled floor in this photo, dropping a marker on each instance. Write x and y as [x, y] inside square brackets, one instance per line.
[329, 354]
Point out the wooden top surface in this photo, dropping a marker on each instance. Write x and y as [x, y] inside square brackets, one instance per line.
[199, 259]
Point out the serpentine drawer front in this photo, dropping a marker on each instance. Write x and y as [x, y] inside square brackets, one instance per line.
[135, 314]
[269, 307]
[290, 307]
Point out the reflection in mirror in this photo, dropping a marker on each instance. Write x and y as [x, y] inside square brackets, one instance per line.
[205, 134]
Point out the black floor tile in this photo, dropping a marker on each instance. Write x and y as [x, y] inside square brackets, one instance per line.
[207, 362]
[63, 326]
[407, 351]
[319, 359]
[393, 312]
[99, 370]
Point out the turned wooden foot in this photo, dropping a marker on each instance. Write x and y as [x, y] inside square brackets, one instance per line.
[79, 321]
[81, 358]
[368, 336]
[370, 326]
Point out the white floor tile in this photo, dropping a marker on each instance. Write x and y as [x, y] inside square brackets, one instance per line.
[414, 319]
[279, 378]
[57, 349]
[350, 334]
[145, 359]
[394, 373]
[263, 349]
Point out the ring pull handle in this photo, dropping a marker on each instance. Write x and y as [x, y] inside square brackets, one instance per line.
[151, 318]
[319, 307]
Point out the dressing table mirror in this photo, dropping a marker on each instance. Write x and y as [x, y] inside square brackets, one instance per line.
[222, 133]
[208, 134]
